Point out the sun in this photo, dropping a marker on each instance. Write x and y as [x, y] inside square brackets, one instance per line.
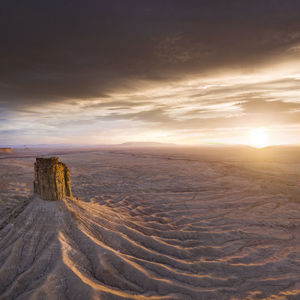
[259, 138]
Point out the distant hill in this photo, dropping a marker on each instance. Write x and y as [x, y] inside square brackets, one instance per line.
[6, 150]
[145, 144]
[125, 145]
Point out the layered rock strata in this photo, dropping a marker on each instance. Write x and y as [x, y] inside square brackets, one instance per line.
[52, 179]
[6, 150]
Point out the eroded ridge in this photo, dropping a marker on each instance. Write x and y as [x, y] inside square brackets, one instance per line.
[155, 228]
[52, 179]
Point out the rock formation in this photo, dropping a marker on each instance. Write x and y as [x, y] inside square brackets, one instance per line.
[6, 150]
[52, 179]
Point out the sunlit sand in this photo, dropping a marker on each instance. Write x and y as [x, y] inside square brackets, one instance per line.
[193, 223]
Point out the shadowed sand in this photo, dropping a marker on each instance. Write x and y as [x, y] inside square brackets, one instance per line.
[154, 224]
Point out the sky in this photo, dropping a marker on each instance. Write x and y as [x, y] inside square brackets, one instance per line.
[186, 72]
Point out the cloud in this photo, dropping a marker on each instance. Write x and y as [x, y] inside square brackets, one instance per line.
[262, 106]
[114, 104]
[56, 50]
[125, 69]
[157, 115]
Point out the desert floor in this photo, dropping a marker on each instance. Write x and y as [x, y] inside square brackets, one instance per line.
[182, 223]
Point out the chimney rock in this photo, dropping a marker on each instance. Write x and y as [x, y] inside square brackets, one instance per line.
[51, 179]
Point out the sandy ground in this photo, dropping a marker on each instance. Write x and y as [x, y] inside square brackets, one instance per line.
[154, 224]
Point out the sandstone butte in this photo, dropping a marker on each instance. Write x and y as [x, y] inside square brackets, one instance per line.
[6, 150]
[51, 179]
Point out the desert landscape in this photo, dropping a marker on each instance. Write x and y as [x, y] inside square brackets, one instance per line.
[153, 223]
[150, 150]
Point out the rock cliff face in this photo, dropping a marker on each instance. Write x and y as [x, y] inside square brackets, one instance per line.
[52, 179]
[6, 150]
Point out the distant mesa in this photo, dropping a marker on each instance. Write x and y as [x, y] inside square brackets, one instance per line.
[145, 145]
[6, 150]
[51, 179]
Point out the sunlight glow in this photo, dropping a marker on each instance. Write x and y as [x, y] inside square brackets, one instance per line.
[259, 137]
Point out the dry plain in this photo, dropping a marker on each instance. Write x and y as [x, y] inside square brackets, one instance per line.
[150, 223]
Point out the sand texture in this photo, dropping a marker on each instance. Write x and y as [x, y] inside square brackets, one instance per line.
[154, 224]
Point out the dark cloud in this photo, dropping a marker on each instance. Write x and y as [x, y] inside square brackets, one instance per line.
[54, 50]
